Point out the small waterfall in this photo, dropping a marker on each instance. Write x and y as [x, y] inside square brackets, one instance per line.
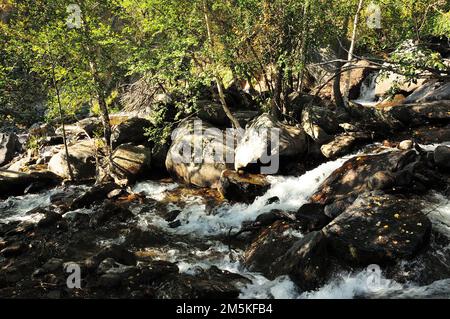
[367, 95]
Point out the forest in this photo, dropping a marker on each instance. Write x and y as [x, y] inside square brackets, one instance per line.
[191, 149]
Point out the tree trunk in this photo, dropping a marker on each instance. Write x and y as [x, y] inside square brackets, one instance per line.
[217, 78]
[61, 117]
[340, 103]
[276, 105]
[352, 47]
[303, 47]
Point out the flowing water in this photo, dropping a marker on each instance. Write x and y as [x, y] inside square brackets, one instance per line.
[367, 95]
[205, 227]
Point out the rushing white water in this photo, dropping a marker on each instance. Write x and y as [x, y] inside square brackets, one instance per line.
[293, 192]
[17, 208]
[367, 95]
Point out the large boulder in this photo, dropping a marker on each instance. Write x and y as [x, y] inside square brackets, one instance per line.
[267, 140]
[320, 123]
[199, 153]
[16, 183]
[442, 157]
[306, 262]
[212, 113]
[271, 244]
[9, 144]
[131, 131]
[421, 113]
[130, 162]
[85, 127]
[378, 228]
[353, 177]
[344, 143]
[82, 160]
[429, 92]
[242, 187]
[389, 81]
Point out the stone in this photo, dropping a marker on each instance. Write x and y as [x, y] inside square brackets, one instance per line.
[242, 187]
[200, 165]
[131, 131]
[377, 229]
[82, 160]
[442, 157]
[130, 163]
[306, 262]
[344, 143]
[252, 148]
[271, 243]
[405, 145]
[9, 144]
[319, 123]
[311, 217]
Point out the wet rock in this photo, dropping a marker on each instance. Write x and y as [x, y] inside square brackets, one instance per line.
[306, 262]
[405, 145]
[242, 187]
[13, 250]
[200, 166]
[175, 224]
[353, 176]
[53, 265]
[49, 219]
[82, 160]
[131, 131]
[9, 144]
[110, 280]
[255, 146]
[377, 229]
[335, 208]
[115, 193]
[271, 243]
[442, 157]
[94, 194]
[130, 163]
[432, 135]
[381, 180]
[108, 212]
[344, 143]
[116, 252]
[156, 270]
[311, 217]
[172, 215]
[210, 284]
[272, 200]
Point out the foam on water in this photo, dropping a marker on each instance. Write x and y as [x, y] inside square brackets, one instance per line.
[293, 192]
[153, 189]
[16, 208]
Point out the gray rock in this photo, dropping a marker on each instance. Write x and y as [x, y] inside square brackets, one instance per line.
[377, 229]
[442, 157]
[9, 144]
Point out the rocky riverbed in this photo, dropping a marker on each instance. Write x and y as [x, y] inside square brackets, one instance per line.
[160, 239]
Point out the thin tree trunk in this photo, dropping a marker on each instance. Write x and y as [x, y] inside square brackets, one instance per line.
[61, 117]
[276, 105]
[61, 114]
[352, 47]
[303, 47]
[340, 103]
[217, 78]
